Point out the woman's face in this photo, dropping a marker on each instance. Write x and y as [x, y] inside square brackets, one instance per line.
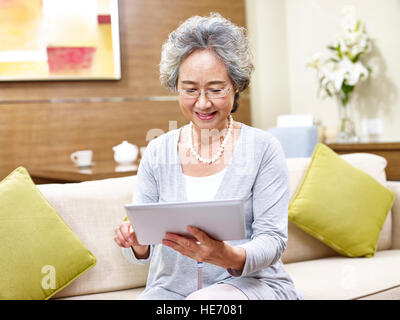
[203, 70]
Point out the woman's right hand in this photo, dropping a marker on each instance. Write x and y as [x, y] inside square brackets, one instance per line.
[125, 237]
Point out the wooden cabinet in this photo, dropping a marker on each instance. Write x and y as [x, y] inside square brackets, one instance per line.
[389, 150]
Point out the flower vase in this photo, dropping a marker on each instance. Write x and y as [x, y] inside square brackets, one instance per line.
[347, 131]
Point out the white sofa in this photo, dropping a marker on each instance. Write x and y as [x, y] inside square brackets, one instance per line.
[93, 209]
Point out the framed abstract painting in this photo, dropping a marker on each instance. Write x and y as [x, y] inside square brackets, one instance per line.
[59, 40]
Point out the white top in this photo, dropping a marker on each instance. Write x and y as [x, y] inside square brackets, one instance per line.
[203, 188]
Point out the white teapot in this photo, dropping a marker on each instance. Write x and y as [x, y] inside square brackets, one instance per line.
[126, 153]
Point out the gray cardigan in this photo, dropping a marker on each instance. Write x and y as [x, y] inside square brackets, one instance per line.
[257, 173]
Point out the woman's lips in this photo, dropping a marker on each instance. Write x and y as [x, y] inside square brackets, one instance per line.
[206, 116]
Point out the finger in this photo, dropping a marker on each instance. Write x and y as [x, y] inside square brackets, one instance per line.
[118, 241]
[200, 235]
[134, 239]
[176, 247]
[184, 242]
[183, 251]
[124, 228]
[131, 235]
[122, 239]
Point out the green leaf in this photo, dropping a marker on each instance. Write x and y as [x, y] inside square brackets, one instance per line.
[347, 90]
[355, 59]
[357, 26]
[339, 52]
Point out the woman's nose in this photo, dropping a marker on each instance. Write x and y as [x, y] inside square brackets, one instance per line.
[203, 100]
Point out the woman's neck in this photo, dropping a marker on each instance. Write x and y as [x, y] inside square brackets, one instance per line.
[209, 136]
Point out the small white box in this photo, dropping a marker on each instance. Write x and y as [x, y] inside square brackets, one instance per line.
[372, 126]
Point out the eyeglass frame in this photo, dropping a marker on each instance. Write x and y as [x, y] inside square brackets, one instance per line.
[226, 91]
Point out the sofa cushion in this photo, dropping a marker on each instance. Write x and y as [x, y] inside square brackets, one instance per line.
[395, 187]
[93, 209]
[300, 245]
[330, 208]
[345, 278]
[389, 294]
[128, 294]
[40, 254]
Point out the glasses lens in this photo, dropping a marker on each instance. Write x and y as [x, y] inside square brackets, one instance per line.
[216, 93]
[211, 93]
[190, 93]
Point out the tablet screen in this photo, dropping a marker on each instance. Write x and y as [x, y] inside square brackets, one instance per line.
[220, 219]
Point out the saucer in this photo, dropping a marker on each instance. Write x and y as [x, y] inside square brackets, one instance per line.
[88, 165]
[85, 170]
[126, 167]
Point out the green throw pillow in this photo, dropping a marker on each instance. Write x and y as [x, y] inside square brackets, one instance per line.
[340, 205]
[39, 253]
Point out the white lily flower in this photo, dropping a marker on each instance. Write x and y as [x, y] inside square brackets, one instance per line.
[333, 76]
[342, 64]
[352, 38]
[354, 72]
[315, 61]
[330, 87]
[349, 17]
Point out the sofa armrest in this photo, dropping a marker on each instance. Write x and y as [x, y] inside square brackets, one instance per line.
[395, 187]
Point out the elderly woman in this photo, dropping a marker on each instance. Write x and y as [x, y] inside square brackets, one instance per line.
[206, 60]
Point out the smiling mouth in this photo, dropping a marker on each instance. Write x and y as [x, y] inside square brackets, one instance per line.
[206, 116]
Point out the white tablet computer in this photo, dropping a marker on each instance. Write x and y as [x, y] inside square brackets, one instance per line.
[220, 219]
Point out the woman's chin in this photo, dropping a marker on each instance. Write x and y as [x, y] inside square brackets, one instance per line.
[205, 124]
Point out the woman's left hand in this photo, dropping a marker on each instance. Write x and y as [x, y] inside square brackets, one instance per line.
[206, 249]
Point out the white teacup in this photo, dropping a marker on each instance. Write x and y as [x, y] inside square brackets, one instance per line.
[82, 158]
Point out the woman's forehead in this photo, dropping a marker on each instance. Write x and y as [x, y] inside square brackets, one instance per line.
[204, 58]
[203, 66]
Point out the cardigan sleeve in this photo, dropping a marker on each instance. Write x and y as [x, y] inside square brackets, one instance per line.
[129, 255]
[146, 191]
[270, 212]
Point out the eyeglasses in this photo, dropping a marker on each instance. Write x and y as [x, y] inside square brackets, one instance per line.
[211, 93]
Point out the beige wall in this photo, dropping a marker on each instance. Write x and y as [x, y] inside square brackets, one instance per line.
[309, 25]
[269, 92]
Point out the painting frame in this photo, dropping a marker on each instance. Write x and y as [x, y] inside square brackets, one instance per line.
[99, 59]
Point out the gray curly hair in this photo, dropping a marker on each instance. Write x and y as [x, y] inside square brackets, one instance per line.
[215, 32]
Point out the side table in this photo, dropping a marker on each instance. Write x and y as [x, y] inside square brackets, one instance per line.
[65, 173]
[389, 150]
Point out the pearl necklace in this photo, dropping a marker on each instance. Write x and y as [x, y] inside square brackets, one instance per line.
[220, 149]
